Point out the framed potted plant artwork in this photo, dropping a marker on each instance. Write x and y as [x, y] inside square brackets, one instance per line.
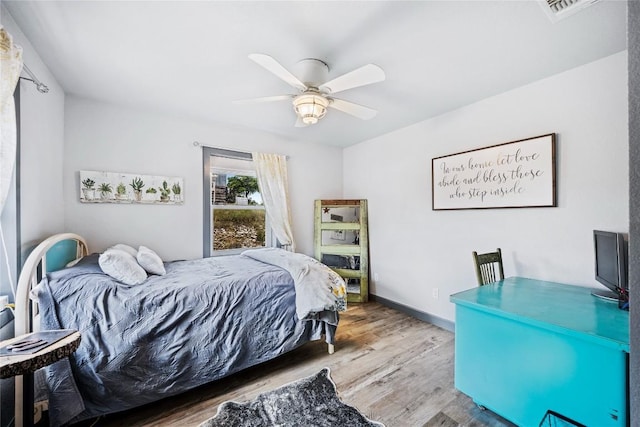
[115, 187]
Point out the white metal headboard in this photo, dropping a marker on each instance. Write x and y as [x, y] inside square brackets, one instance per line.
[33, 270]
[26, 311]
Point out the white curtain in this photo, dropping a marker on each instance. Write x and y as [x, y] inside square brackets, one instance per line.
[10, 69]
[271, 170]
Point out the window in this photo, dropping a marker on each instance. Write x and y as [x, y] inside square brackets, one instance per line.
[235, 217]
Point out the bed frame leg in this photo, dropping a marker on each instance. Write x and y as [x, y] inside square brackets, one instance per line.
[331, 349]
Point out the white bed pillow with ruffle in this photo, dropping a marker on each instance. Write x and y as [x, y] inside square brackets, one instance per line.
[122, 266]
[150, 261]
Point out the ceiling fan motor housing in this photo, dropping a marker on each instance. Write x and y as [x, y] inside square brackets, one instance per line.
[312, 72]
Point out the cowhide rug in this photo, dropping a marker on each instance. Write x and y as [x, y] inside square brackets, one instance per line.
[309, 402]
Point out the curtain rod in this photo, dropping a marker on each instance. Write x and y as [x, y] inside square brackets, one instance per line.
[199, 144]
[42, 88]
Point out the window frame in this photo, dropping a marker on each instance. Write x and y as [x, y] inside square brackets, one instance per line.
[207, 240]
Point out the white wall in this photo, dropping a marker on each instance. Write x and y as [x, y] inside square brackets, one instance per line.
[110, 138]
[414, 249]
[42, 139]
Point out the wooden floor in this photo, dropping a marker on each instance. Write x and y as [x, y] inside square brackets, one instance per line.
[394, 368]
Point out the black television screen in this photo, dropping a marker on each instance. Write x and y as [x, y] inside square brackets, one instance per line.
[610, 262]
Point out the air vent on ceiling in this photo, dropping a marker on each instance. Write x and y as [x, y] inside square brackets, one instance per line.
[560, 9]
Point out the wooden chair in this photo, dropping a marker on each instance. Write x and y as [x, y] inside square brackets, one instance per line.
[486, 265]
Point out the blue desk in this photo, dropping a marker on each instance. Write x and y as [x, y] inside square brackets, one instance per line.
[526, 346]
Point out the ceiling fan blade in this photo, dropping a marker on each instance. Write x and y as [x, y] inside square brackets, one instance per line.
[274, 66]
[263, 99]
[357, 110]
[364, 75]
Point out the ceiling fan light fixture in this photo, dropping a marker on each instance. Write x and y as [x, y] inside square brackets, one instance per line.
[310, 107]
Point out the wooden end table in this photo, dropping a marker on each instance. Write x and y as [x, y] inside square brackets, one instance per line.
[27, 364]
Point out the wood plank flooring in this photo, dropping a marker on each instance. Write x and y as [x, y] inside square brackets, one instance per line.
[394, 368]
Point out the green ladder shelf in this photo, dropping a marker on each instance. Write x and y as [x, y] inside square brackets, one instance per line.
[341, 241]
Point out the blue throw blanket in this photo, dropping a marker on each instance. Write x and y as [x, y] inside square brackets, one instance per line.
[203, 320]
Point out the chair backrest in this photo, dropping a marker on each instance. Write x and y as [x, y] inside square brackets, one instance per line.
[486, 265]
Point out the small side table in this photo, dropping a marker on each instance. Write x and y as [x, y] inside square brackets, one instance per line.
[27, 364]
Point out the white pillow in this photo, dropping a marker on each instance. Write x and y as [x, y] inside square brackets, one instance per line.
[150, 261]
[128, 249]
[122, 266]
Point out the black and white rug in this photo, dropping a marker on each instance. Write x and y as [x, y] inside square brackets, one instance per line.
[311, 401]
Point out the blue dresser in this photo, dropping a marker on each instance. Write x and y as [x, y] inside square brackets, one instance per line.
[526, 346]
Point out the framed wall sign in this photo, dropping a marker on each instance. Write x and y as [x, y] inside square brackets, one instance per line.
[515, 174]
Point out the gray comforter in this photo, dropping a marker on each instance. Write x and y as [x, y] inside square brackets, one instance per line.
[203, 320]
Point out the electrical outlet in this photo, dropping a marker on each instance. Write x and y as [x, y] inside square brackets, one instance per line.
[4, 300]
[435, 293]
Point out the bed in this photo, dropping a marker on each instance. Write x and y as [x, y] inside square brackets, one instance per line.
[203, 320]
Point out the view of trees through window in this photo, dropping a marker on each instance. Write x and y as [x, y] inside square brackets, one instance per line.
[242, 186]
[239, 217]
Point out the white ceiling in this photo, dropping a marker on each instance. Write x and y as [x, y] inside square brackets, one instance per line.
[189, 58]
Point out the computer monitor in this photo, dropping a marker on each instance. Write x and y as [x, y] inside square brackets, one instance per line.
[611, 264]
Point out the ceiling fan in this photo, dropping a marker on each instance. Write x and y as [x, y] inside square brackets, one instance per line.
[315, 93]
